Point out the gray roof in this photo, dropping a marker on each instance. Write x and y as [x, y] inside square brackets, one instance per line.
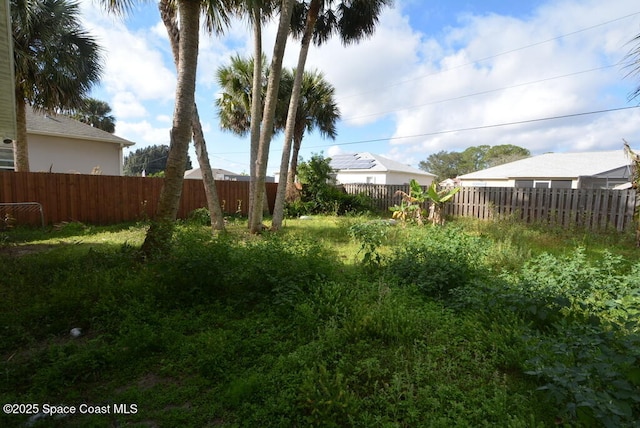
[555, 165]
[58, 125]
[365, 161]
[196, 173]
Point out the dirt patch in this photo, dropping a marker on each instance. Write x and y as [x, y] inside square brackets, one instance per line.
[23, 250]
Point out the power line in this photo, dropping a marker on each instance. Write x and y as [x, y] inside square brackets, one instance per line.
[482, 92]
[476, 128]
[496, 55]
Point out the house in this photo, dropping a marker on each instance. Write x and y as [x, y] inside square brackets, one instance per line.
[220, 174]
[368, 168]
[7, 80]
[588, 170]
[58, 143]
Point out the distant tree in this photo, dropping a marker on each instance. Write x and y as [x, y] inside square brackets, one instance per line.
[316, 174]
[505, 153]
[443, 164]
[452, 164]
[95, 113]
[152, 160]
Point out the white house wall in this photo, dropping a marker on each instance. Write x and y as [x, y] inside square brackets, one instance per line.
[487, 183]
[372, 177]
[502, 183]
[361, 177]
[405, 178]
[63, 155]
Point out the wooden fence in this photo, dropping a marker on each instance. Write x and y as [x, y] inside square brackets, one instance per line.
[589, 208]
[101, 199]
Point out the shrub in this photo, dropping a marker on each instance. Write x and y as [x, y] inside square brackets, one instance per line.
[438, 260]
[371, 235]
[200, 216]
[583, 340]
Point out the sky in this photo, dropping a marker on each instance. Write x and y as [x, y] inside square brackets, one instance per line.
[549, 76]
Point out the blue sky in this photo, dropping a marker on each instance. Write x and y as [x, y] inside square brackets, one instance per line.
[435, 76]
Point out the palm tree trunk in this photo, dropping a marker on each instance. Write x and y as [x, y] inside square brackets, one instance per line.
[213, 202]
[292, 192]
[634, 178]
[256, 103]
[168, 15]
[278, 209]
[20, 146]
[159, 235]
[266, 131]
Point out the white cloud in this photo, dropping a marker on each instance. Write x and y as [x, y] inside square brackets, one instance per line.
[407, 81]
[134, 66]
[127, 106]
[484, 37]
[334, 151]
[143, 133]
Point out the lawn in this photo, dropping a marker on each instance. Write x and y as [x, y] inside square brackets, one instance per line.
[332, 322]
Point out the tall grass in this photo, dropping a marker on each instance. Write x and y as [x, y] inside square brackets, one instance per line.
[292, 329]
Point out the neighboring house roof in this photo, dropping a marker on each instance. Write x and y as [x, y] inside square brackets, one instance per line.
[66, 127]
[555, 165]
[365, 161]
[196, 173]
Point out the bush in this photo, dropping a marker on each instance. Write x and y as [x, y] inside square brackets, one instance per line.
[200, 216]
[583, 342]
[438, 260]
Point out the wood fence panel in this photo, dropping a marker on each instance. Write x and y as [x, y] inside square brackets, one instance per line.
[590, 208]
[98, 199]
[110, 199]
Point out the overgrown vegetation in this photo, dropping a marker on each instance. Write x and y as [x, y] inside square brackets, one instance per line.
[320, 194]
[334, 322]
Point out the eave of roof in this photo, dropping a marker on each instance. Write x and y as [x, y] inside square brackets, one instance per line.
[65, 127]
[382, 164]
[554, 165]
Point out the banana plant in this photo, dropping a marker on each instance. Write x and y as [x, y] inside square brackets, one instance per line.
[438, 199]
[410, 207]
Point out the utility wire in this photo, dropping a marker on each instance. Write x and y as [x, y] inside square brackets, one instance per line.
[475, 128]
[482, 92]
[495, 55]
[450, 131]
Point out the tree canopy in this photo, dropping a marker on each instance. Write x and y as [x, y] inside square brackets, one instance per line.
[95, 113]
[446, 164]
[56, 62]
[152, 160]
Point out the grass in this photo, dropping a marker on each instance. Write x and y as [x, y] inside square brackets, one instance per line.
[293, 329]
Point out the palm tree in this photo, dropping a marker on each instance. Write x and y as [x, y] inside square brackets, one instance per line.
[317, 109]
[168, 15]
[56, 62]
[96, 113]
[236, 100]
[159, 235]
[268, 114]
[353, 20]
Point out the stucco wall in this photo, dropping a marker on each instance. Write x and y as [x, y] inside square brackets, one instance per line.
[381, 178]
[73, 156]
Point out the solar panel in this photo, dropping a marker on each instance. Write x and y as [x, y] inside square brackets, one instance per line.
[351, 162]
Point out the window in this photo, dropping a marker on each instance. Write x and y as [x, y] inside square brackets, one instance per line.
[524, 183]
[6, 157]
[542, 184]
[371, 180]
[561, 184]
